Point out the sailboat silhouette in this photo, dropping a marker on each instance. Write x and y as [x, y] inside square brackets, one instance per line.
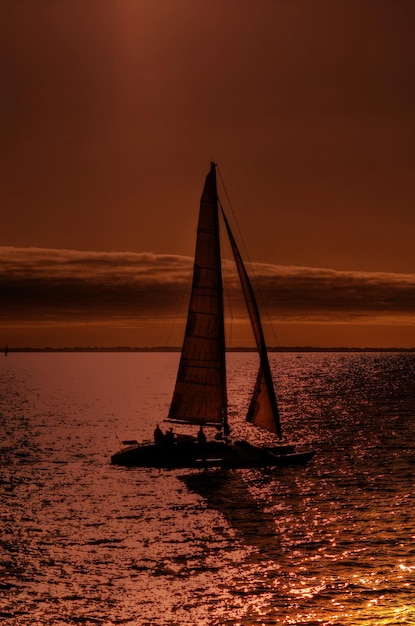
[200, 393]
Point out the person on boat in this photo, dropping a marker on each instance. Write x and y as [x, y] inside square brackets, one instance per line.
[201, 437]
[169, 437]
[158, 435]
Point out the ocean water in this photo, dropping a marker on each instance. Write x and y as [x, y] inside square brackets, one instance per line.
[83, 542]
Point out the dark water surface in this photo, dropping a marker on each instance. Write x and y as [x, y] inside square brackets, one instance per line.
[83, 542]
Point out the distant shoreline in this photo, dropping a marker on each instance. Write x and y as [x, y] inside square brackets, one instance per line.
[303, 349]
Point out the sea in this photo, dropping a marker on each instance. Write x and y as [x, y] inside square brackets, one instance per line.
[86, 542]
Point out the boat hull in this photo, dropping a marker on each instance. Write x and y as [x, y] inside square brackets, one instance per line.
[189, 454]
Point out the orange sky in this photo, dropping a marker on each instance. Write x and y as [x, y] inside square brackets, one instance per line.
[111, 112]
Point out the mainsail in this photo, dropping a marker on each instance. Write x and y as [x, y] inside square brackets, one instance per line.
[263, 409]
[200, 393]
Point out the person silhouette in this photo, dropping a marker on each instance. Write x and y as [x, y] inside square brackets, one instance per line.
[169, 438]
[158, 435]
[201, 437]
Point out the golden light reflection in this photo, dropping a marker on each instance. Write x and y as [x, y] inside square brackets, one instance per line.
[406, 568]
[247, 554]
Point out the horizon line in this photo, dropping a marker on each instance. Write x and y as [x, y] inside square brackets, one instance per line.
[230, 349]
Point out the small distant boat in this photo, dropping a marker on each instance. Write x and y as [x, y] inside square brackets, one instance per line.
[200, 395]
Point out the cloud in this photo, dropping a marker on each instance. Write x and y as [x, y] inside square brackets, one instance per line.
[319, 294]
[67, 285]
[71, 284]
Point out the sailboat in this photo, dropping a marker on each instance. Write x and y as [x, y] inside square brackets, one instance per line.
[200, 393]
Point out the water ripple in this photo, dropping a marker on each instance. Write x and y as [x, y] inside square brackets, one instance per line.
[84, 542]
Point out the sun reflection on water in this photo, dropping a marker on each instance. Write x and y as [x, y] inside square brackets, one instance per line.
[83, 542]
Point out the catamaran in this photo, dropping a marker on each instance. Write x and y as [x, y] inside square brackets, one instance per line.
[200, 393]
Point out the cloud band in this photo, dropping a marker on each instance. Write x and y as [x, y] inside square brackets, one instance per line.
[47, 284]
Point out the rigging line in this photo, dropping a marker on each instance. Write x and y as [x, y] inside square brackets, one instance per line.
[227, 288]
[233, 212]
[227, 267]
[184, 292]
[253, 273]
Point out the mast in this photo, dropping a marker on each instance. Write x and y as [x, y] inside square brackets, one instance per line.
[200, 392]
[263, 409]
